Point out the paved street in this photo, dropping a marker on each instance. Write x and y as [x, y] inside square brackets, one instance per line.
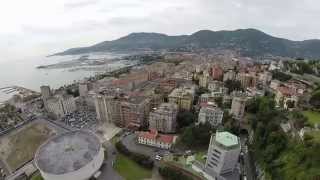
[107, 172]
[248, 166]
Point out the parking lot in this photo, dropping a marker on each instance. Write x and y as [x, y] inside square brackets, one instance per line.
[81, 120]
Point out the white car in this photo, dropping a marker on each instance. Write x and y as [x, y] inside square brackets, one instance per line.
[158, 158]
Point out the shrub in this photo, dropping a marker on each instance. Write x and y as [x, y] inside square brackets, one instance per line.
[141, 159]
[172, 174]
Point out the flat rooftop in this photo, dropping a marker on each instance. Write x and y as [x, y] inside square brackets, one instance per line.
[67, 152]
[226, 139]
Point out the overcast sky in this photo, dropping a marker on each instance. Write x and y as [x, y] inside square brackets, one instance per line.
[40, 27]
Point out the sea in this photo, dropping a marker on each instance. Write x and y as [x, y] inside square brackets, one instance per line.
[24, 72]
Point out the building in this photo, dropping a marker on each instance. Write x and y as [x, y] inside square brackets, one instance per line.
[68, 103]
[210, 114]
[135, 111]
[217, 73]
[54, 106]
[108, 109]
[210, 97]
[286, 97]
[247, 80]
[83, 89]
[153, 138]
[223, 154]
[238, 107]
[183, 97]
[215, 86]
[183, 74]
[163, 118]
[203, 81]
[76, 155]
[265, 77]
[274, 84]
[124, 110]
[60, 105]
[45, 92]
[229, 75]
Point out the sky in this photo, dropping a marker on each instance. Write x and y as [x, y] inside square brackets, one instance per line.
[32, 28]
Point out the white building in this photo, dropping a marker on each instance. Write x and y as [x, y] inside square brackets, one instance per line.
[230, 75]
[68, 103]
[203, 81]
[61, 105]
[83, 89]
[223, 153]
[76, 155]
[164, 118]
[45, 92]
[215, 86]
[210, 114]
[54, 106]
[153, 138]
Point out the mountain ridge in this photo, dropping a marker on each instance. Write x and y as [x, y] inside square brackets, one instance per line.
[248, 42]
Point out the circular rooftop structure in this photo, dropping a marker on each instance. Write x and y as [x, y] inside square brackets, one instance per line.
[78, 154]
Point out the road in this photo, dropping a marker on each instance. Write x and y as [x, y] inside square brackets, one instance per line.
[107, 172]
[247, 165]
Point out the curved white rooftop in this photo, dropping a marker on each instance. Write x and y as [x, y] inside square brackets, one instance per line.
[67, 152]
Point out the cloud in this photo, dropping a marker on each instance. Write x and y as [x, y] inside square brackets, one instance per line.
[45, 26]
[80, 4]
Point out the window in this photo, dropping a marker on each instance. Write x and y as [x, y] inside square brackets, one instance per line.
[213, 163]
[216, 156]
[214, 160]
[215, 150]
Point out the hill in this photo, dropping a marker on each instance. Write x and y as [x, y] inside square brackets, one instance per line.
[249, 42]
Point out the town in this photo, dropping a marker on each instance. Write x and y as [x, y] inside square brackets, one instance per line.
[215, 116]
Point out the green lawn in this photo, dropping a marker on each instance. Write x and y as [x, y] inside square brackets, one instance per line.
[130, 170]
[199, 156]
[313, 117]
[315, 135]
[37, 176]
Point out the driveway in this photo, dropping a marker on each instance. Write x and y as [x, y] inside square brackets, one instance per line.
[107, 172]
[247, 166]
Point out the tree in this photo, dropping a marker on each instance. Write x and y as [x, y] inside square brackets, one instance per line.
[185, 118]
[141, 159]
[315, 99]
[197, 135]
[280, 76]
[73, 91]
[252, 105]
[299, 120]
[170, 173]
[219, 101]
[230, 124]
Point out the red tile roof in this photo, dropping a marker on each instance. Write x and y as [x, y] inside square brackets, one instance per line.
[286, 91]
[154, 135]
